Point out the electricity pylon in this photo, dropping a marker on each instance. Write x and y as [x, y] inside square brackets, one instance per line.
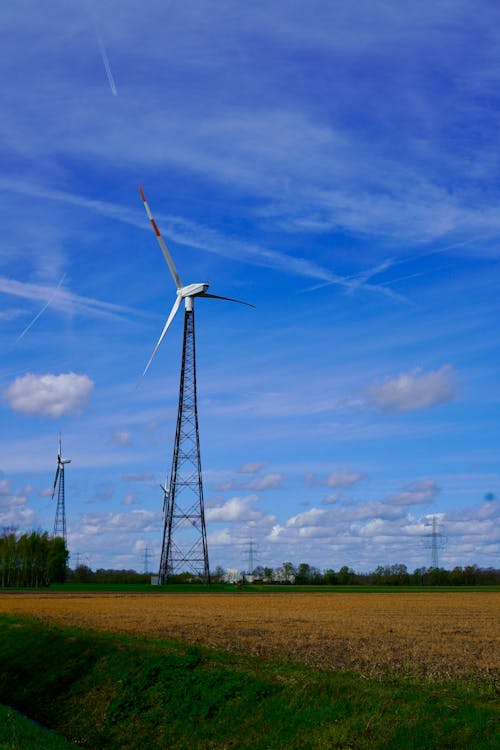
[436, 542]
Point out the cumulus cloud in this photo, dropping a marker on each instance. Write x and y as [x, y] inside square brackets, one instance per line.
[49, 395]
[268, 482]
[258, 484]
[313, 517]
[343, 478]
[413, 390]
[340, 477]
[331, 499]
[420, 492]
[240, 510]
[235, 509]
[124, 523]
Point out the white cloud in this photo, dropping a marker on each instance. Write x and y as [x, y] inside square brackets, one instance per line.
[413, 390]
[420, 492]
[268, 482]
[123, 523]
[235, 509]
[223, 537]
[259, 484]
[49, 395]
[313, 517]
[343, 478]
[331, 499]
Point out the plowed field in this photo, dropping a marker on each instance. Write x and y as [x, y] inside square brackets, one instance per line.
[435, 634]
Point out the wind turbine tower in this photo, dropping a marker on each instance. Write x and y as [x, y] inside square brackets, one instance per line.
[60, 517]
[184, 546]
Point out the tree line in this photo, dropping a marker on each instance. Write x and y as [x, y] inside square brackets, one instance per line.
[32, 560]
[308, 575]
[384, 575]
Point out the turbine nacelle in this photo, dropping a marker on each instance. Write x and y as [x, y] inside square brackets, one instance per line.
[186, 293]
[60, 465]
[192, 290]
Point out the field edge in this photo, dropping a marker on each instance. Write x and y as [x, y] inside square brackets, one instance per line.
[106, 690]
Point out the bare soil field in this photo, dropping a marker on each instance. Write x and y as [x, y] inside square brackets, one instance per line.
[439, 635]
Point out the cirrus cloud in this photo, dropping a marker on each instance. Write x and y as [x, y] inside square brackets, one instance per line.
[49, 395]
[413, 390]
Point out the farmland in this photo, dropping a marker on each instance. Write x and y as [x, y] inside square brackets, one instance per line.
[431, 635]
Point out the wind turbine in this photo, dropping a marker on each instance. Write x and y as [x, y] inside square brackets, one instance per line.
[60, 518]
[184, 531]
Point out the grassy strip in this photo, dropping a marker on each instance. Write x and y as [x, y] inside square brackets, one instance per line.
[19, 733]
[114, 691]
[256, 588]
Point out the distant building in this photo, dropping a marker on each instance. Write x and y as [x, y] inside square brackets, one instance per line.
[232, 575]
[283, 575]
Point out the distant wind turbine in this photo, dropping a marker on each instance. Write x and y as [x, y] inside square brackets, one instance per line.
[60, 517]
[184, 498]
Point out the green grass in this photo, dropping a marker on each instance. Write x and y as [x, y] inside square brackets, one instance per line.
[114, 691]
[197, 588]
[19, 733]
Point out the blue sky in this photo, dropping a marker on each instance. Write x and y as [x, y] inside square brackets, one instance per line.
[335, 164]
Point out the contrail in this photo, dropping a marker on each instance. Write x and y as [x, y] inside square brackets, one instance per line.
[41, 311]
[106, 64]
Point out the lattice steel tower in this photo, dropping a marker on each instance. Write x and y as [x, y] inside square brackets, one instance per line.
[184, 531]
[184, 534]
[436, 541]
[60, 517]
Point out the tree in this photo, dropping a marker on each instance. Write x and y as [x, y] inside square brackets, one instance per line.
[346, 576]
[57, 561]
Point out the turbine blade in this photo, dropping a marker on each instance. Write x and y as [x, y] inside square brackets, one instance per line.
[55, 480]
[165, 329]
[161, 242]
[228, 299]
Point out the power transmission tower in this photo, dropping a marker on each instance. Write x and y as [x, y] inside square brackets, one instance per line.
[251, 553]
[435, 541]
[184, 543]
[146, 560]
